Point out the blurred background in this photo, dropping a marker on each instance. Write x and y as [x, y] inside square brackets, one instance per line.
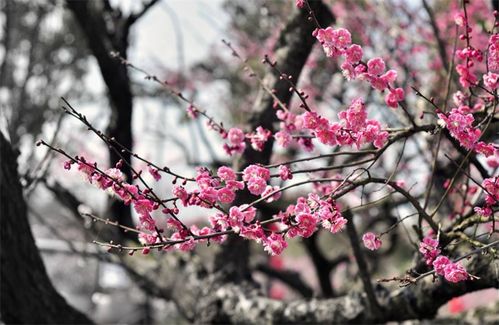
[53, 48]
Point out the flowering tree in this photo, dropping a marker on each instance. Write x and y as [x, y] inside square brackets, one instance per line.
[409, 153]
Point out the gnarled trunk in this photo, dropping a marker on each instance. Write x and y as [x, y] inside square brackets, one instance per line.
[26, 293]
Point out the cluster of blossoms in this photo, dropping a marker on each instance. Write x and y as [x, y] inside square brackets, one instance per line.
[113, 181]
[452, 272]
[470, 56]
[353, 128]
[237, 140]
[371, 241]
[310, 211]
[491, 185]
[338, 42]
[459, 122]
[299, 220]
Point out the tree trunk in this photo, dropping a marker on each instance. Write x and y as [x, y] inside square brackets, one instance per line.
[115, 74]
[27, 294]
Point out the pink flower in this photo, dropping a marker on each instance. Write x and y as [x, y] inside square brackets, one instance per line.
[236, 136]
[355, 117]
[389, 77]
[259, 138]
[335, 225]
[231, 149]
[486, 149]
[253, 232]
[154, 173]
[186, 246]
[393, 97]
[485, 212]
[143, 206]
[376, 66]
[310, 120]
[307, 224]
[283, 138]
[249, 213]
[380, 139]
[256, 185]
[459, 124]
[440, 263]
[255, 171]
[275, 244]
[490, 80]
[234, 185]
[327, 38]
[147, 239]
[181, 193]
[467, 78]
[270, 189]
[493, 58]
[342, 37]
[226, 173]
[371, 241]
[300, 3]
[493, 161]
[192, 112]
[354, 54]
[429, 248]
[225, 195]
[285, 172]
[455, 272]
[492, 187]
[208, 195]
[86, 168]
[67, 164]
[147, 222]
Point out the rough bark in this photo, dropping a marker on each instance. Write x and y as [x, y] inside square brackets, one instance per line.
[205, 297]
[94, 19]
[27, 294]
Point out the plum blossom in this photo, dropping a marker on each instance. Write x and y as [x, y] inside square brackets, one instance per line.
[440, 263]
[154, 173]
[459, 124]
[256, 185]
[455, 272]
[275, 244]
[255, 171]
[490, 80]
[226, 173]
[225, 195]
[283, 138]
[371, 241]
[300, 3]
[393, 97]
[429, 248]
[274, 197]
[67, 164]
[493, 55]
[236, 143]
[259, 138]
[307, 224]
[285, 173]
[333, 41]
[376, 66]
